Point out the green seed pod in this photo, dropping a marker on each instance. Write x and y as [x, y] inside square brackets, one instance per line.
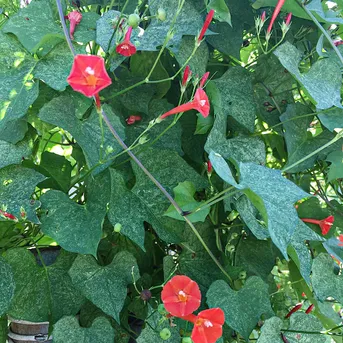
[134, 20]
[165, 334]
[161, 14]
[187, 340]
[117, 227]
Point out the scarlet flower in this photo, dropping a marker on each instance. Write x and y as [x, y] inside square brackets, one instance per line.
[88, 75]
[200, 103]
[187, 74]
[126, 48]
[132, 119]
[263, 16]
[207, 325]
[296, 308]
[74, 18]
[205, 26]
[325, 224]
[309, 309]
[204, 79]
[275, 14]
[181, 296]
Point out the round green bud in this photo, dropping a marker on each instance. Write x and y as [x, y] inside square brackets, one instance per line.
[234, 235]
[230, 248]
[242, 275]
[117, 227]
[165, 334]
[162, 310]
[134, 20]
[161, 14]
[187, 340]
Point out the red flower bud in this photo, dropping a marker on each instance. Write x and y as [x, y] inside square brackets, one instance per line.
[309, 309]
[205, 26]
[74, 18]
[263, 16]
[209, 167]
[132, 119]
[187, 74]
[8, 215]
[204, 79]
[288, 19]
[294, 309]
[275, 14]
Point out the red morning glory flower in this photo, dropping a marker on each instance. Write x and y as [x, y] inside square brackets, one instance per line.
[200, 103]
[74, 18]
[325, 224]
[126, 48]
[207, 325]
[275, 14]
[181, 296]
[88, 75]
[205, 26]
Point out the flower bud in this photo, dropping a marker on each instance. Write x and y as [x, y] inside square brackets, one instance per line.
[165, 334]
[230, 248]
[145, 295]
[117, 227]
[134, 20]
[161, 14]
[187, 340]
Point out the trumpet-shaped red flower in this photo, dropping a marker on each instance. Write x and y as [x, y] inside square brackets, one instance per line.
[208, 325]
[74, 18]
[275, 14]
[200, 103]
[132, 119]
[205, 26]
[181, 296]
[325, 224]
[88, 75]
[204, 79]
[126, 48]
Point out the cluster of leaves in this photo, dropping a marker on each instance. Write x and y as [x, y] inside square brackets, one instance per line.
[272, 138]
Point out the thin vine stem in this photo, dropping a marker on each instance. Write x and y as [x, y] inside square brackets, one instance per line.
[141, 166]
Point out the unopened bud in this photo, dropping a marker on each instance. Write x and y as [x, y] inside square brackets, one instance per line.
[161, 14]
[117, 227]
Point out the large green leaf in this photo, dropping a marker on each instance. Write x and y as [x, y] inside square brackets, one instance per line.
[7, 286]
[301, 235]
[222, 12]
[272, 194]
[14, 153]
[271, 331]
[40, 294]
[242, 308]
[169, 169]
[300, 142]
[16, 187]
[325, 282]
[189, 22]
[322, 82]
[309, 323]
[332, 118]
[105, 286]
[18, 90]
[68, 330]
[83, 230]
[61, 111]
[184, 196]
[336, 166]
[315, 6]
[35, 26]
[233, 95]
[229, 39]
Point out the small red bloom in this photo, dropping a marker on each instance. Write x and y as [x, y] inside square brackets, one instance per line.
[209, 167]
[205, 26]
[200, 103]
[181, 296]
[263, 16]
[187, 74]
[207, 325]
[275, 14]
[88, 75]
[132, 119]
[126, 48]
[204, 79]
[74, 18]
[296, 308]
[325, 224]
[288, 18]
[309, 309]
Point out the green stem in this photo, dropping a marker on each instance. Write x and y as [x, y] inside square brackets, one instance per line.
[312, 332]
[321, 28]
[334, 140]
